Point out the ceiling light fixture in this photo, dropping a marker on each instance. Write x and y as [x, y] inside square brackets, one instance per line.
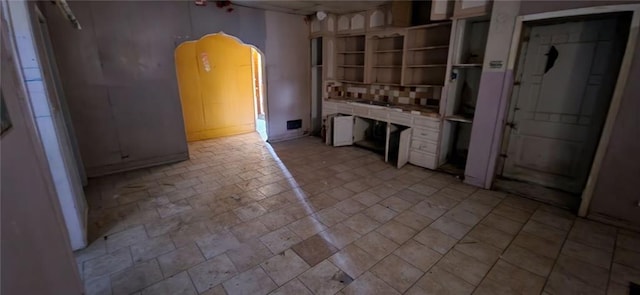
[321, 15]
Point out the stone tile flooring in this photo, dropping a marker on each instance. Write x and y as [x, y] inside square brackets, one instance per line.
[242, 217]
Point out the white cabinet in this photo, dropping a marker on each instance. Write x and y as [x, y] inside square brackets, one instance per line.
[400, 136]
[329, 108]
[441, 9]
[391, 140]
[376, 19]
[357, 22]
[351, 23]
[425, 142]
[471, 8]
[343, 130]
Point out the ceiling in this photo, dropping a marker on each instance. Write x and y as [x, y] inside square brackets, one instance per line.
[311, 7]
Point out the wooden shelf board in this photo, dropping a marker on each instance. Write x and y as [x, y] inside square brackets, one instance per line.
[428, 66]
[423, 85]
[428, 47]
[389, 51]
[351, 52]
[467, 65]
[350, 66]
[391, 67]
[428, 26]
[384, 83]
[348, 81]
[459, 118]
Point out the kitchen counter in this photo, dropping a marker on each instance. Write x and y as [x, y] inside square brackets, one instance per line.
[412, 109]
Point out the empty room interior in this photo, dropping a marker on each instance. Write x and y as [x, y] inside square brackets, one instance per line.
[187, 147]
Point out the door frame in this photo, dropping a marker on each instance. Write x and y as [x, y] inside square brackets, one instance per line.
[263, 69]
[616, 98]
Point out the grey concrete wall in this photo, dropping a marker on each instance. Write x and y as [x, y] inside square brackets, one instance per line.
[35, 255]
[118, 73]
[288, 74]
[119, 78]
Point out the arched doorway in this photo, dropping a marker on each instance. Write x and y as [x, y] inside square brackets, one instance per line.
[221, 87]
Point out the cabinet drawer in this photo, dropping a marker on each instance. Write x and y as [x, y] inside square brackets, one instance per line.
[329, 105]
[346, 109]
[422, 121]
[329, 111]
[425, 134]
[400, 118]
[361, 111]
[424, 146]
[422, 159]
[378, 114]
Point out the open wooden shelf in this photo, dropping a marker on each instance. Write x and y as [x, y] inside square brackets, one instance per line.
[428, 48]
[459, 118]
[427, 55]
[424, 85]
[349, 81]
[467, 65]
[386, 59]
[427, 66]
[350, 60]
[470, 40]
[385, 83]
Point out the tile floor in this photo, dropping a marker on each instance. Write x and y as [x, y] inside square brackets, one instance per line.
[242, 217]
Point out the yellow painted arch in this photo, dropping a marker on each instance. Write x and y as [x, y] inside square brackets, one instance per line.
[215, 79]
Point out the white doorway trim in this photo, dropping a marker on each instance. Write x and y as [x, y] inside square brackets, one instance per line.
[38, 81]
[616, 98]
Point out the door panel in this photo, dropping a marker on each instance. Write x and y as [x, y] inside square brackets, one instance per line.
[403, 149]
[329, 129]
[561, 103]
[342, 130]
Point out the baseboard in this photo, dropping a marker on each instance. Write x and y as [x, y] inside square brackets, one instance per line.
[133, 165]
[613, 221]
[285, 137]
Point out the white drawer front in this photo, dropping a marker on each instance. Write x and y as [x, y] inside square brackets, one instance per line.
[346, 109]
[422, 159]
[329, 111]
[425, 146]
[425, 133]
[329, 104]
[423, 121]
[361, 111]
[379, 114]
[400, 118]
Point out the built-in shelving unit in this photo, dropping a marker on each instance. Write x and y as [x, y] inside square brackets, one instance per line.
[467, 59]
[350, 58]
[386, 59]
[426, 54]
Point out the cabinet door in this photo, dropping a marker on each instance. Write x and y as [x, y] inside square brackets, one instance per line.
[328, 139]
[403, 149]
[441, 9]
[342, 130]
[469, 8]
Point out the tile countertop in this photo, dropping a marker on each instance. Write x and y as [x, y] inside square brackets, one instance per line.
[413, 109]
